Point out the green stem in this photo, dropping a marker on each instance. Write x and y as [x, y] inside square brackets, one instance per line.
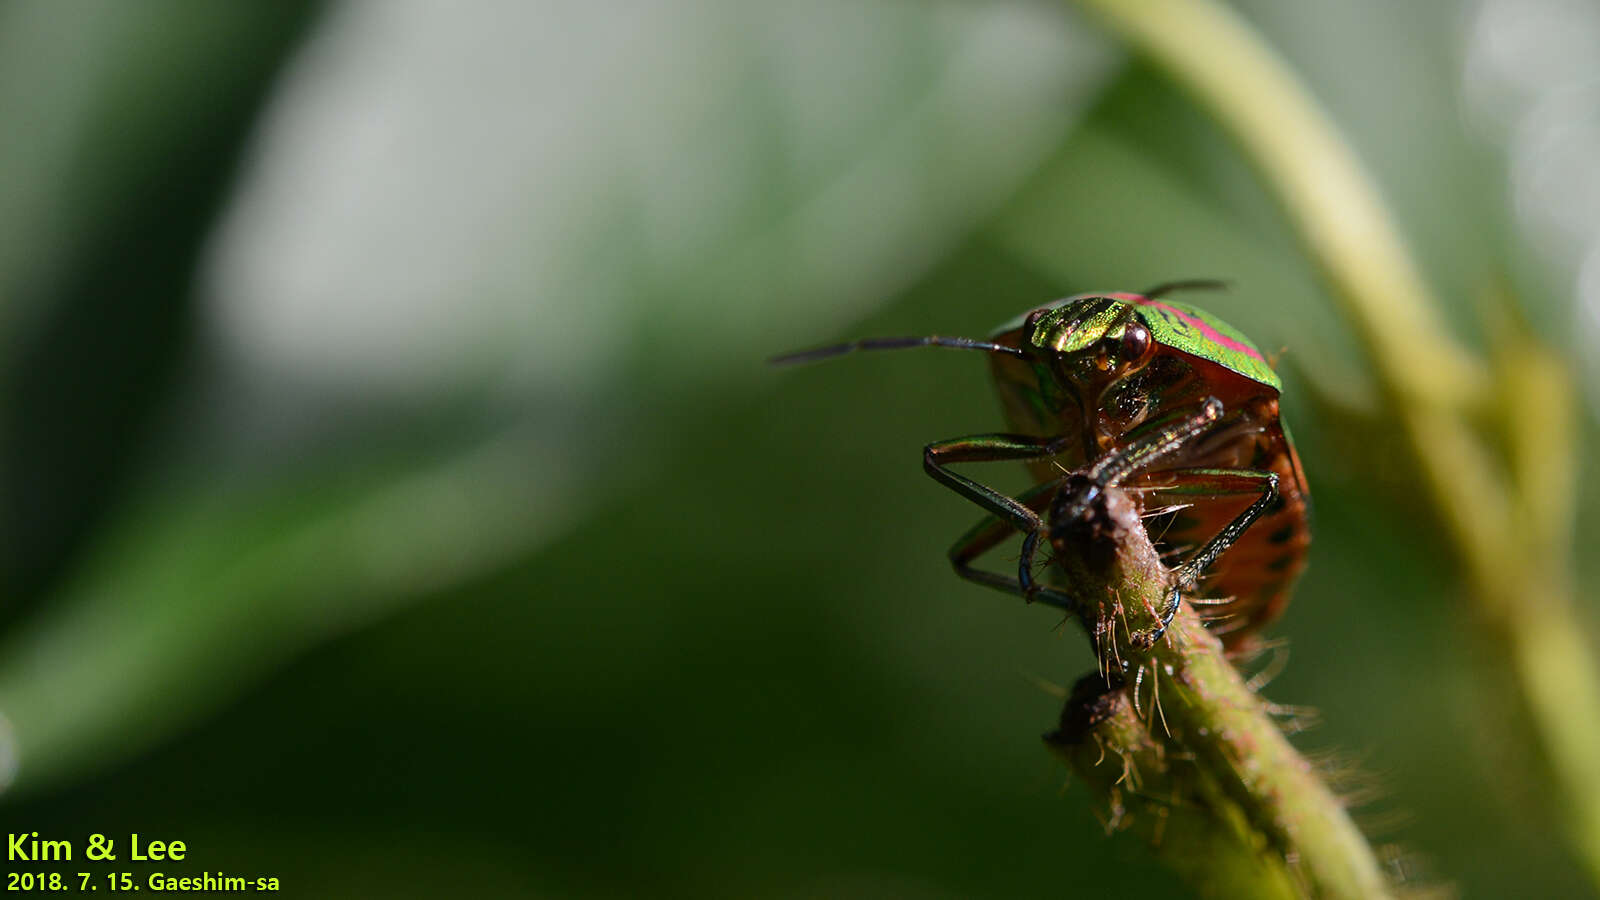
[1166, 799]
[1511, 538]
[1190, 757]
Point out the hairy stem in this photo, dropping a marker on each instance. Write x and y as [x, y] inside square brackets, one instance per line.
[1165, 798]
[1185, 751]
[1508, 519]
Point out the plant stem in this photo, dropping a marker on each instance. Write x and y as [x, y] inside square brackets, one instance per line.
[1512, 538]
[1164, 798]
[1211, 781]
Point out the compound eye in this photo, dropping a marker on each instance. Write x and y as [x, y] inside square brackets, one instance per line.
[1137, 344]
[1033, 320]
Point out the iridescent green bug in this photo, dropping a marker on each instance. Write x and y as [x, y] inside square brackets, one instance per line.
[1154, 396]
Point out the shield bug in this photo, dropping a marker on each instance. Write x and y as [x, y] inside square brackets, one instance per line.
[1154, 396]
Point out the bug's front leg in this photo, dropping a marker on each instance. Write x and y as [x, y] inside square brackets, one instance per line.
[1152, 443]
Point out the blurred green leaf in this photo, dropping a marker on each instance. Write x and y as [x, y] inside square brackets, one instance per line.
[194, 597]
[123, 126]
[98, 99]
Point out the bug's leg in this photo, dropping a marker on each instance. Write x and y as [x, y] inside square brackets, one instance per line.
[1012, 514]
[1153, 442]
[938, 456]
[1209, 482]
[988, 534]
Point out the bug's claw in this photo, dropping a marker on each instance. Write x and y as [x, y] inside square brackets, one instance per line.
[1144, 640]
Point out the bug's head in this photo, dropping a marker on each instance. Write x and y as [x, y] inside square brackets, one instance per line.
[1091, 340]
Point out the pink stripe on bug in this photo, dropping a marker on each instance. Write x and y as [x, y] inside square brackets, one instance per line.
[1200, 324]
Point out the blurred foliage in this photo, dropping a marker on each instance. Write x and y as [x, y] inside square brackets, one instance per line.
[412, 511]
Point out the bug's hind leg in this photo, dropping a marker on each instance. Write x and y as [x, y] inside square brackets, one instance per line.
[1210, 482]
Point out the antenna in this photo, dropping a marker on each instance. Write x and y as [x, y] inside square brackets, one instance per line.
[892, 343]
[1190, 284]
